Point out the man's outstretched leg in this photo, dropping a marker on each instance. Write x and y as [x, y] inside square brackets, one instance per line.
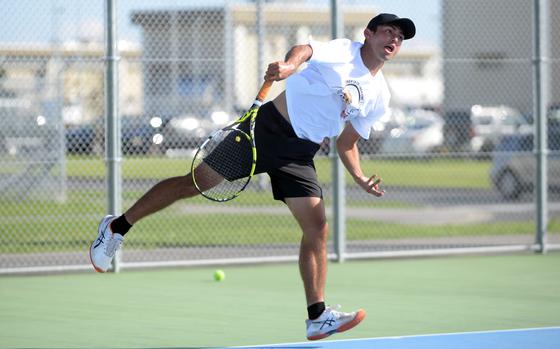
[323, 321]
[111, 231]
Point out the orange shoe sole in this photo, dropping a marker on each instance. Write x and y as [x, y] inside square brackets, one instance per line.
[91, 261]
[359, 317]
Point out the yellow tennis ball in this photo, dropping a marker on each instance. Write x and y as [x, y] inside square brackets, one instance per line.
[237, 139]
[219, 275]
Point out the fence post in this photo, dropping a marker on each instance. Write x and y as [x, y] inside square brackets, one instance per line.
[540, 104]
[113, 129]
[261, 42]
[338, 183]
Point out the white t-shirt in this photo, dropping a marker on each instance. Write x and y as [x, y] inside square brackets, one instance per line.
[316, 98]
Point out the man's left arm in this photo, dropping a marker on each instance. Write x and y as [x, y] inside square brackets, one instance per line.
[347, 146]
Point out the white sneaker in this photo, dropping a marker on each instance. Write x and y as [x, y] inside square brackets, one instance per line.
[103, 249]
[332, 321]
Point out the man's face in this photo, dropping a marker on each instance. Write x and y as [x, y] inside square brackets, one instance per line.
[385, 41]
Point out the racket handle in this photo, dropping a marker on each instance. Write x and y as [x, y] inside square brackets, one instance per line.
[263, 92]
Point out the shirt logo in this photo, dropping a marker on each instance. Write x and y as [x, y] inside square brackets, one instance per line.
[352, 98]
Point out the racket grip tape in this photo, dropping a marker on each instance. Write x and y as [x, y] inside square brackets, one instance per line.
[263, 92]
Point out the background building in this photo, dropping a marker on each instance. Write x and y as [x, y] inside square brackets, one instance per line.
[488, 52]
[67, 80]
[199, 59]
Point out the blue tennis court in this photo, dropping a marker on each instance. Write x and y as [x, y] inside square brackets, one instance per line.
[534, 338]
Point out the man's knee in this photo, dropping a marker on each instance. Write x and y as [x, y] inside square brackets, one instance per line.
[318, 231]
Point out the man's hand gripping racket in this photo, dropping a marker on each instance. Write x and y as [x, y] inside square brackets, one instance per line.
[225, 162]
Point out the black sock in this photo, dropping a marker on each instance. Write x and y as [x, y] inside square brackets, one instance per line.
[120, 225]
[315, 310]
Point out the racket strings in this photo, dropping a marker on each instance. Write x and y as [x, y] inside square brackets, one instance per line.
[228, 159]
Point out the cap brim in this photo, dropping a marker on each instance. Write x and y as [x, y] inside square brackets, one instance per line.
[407, 26]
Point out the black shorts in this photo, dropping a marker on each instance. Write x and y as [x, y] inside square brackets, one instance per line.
[287, 159]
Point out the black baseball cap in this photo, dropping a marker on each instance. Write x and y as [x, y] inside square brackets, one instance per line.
[406, 25]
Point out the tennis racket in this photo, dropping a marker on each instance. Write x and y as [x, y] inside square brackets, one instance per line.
[225, 162]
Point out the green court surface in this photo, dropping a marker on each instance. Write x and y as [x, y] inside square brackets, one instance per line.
[263, 304]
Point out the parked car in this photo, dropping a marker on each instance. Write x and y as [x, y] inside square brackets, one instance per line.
[139, 135]
[421, 133]
[189, 131]
[381, 129]
[554, 126]
[80, 139]
[514, 165]
[490, 123]
[458, 131]
[25, 132]
[142, 135]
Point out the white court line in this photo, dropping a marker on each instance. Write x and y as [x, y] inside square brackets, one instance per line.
[271, 346]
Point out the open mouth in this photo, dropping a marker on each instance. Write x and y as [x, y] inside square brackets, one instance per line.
[389, 49]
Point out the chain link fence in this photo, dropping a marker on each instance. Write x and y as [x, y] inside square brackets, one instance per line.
[457, 151]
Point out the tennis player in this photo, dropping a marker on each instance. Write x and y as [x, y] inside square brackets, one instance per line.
[341, 92]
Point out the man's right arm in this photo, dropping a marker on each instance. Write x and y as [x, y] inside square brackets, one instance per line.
[280, 70]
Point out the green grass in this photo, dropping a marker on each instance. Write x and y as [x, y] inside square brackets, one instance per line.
[434, 173]
[279, 230]
[261, 304]
[132, 167]
[43, 226]
[362, 230]
[430, 173]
